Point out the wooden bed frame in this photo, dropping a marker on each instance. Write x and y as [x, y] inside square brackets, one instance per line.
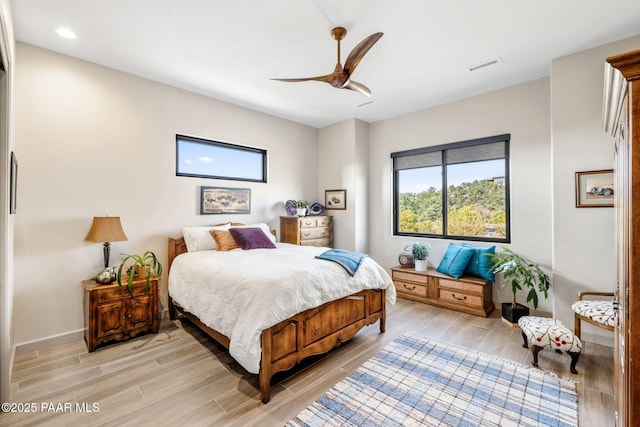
[314, 331]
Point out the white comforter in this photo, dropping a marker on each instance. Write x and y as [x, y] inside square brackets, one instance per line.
[241, 292]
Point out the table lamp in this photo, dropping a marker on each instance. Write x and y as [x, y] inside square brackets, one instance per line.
[106, 229]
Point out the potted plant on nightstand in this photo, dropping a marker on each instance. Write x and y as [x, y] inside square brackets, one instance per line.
[143, 266]
[520, 273]
[420, 254]
[300, 207]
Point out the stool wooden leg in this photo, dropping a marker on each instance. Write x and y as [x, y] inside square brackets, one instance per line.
[535, 350]
[526, 341]
[576, 325]
[574, 361]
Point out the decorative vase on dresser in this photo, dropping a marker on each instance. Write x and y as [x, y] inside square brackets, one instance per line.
[307, 231]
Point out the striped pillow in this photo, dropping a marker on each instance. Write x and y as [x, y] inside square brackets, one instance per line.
[224, 240]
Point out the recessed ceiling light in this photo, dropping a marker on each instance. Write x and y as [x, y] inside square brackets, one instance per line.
[66, 33]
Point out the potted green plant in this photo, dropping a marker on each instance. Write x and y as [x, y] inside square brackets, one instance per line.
[520, 273]
[420, 254]
[300, 206]
[142, 266]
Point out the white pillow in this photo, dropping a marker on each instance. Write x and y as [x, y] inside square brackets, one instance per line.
[200, 238]
[263, 226]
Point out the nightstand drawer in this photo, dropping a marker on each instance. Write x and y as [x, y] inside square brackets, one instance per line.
[460, 297]
[314, 233]
[410, 288]
[410, 276]
[119, 293]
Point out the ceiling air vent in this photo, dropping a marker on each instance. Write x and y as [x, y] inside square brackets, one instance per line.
[366, 103]
[485, 64]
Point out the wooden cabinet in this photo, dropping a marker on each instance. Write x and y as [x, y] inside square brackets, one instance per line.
[307, 230]
[469, 294]
[111, 313]
[622, 120]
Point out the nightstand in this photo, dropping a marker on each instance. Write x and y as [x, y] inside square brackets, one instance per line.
[112, 314]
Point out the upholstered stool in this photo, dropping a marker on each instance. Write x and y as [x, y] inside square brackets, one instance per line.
[544, 332]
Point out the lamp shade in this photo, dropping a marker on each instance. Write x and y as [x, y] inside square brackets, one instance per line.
[106, 229]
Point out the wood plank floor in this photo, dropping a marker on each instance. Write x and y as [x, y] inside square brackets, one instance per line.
[181, 376]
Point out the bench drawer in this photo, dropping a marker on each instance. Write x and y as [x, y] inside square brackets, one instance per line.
[410, 288]
[409, 276]
[460, 297]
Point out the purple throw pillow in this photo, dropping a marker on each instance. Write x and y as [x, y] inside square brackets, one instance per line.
[251, 238]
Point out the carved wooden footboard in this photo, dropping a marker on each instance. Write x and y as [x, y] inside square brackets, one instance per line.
[314, 331]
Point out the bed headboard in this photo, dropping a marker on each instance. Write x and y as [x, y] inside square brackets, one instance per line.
[177, 246]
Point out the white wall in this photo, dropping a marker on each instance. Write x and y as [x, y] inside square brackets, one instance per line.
[343, 164]
[583, 242]
[523, 112]
[94, 141]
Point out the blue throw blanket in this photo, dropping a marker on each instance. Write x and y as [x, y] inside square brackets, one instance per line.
[348, 260]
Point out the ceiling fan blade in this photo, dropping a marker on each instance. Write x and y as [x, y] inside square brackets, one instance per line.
[358, 87]
[326, 78]
[359, 51]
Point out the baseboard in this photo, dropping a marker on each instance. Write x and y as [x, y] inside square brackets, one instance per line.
[42, 343]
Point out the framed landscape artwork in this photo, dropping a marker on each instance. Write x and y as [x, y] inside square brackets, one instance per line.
[223, 200]
[594, 189]
[335, 199]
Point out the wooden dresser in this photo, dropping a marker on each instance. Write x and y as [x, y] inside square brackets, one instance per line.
[307, 230]
[468, 294]
[112, 314]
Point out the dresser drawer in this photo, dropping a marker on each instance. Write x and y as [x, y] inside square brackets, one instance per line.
[413, 277]
[463, 286]
[307, 222]
[460, 297]
[316, 242]
[410, 288]
[314, 233]
[323, 221]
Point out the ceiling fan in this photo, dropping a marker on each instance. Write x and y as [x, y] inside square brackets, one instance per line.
[341, 77]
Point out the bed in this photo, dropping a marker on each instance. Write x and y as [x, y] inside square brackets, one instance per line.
[254, 329]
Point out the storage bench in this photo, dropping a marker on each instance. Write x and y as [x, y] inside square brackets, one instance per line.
[469, 294]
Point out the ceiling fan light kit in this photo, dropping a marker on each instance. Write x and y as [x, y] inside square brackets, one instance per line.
[341, 76]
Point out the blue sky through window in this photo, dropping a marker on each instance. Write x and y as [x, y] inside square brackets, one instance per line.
[206, 159]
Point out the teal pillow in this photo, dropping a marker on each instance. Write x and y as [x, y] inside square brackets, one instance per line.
[455, 260]
[479, 263]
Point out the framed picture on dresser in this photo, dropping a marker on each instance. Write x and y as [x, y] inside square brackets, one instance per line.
[335, 199]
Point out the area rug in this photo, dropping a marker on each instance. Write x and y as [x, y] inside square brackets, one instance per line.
[415, 381]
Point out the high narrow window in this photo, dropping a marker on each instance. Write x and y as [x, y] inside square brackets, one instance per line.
[203, 158]
[455, 191]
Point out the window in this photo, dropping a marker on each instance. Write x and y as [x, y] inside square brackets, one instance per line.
[454, 191]
[203, 158]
